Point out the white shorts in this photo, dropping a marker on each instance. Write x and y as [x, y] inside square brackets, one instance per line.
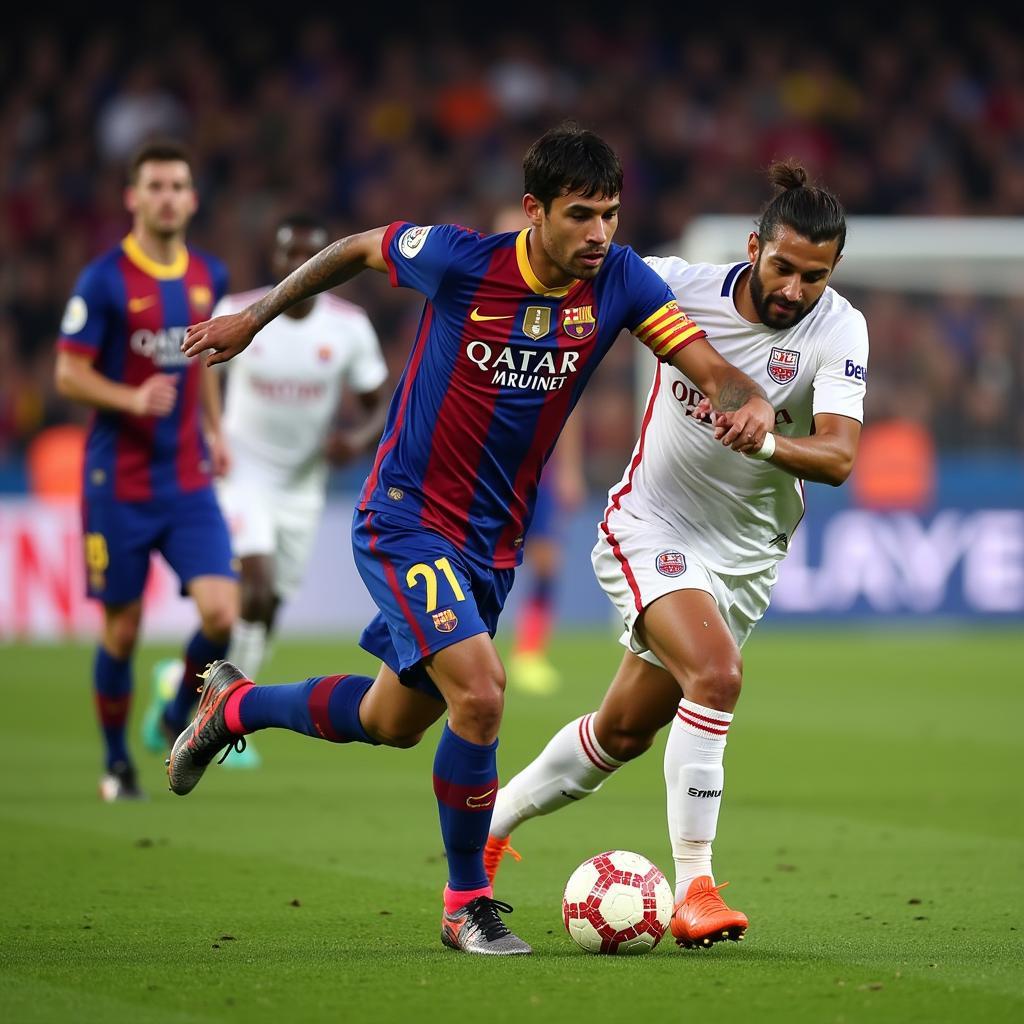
[642, 561]
[265, 520]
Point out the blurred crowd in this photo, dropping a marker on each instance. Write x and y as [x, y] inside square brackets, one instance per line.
[427, 119]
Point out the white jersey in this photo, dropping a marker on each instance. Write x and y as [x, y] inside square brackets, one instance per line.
[736, 513]
[283, 390]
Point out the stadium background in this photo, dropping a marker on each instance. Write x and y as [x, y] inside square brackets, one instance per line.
[897, 672]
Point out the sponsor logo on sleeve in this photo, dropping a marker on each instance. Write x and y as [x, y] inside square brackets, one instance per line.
[856, 371]
[75, 315]
[671, 563]
[411, 241]
[783, 364]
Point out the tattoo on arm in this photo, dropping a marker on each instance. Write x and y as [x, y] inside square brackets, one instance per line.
[328, 268]
[737, 391]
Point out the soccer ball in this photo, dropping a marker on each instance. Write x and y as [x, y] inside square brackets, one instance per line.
[617, 902]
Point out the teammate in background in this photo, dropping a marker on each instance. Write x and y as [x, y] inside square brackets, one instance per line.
[281, 401]
[148, 464]
[512, 329]
[693, 533]
[561, 490]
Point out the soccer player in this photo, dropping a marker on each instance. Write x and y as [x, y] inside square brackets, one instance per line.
[512, 328]
[148, 465]
[693, 533]
[281, 401]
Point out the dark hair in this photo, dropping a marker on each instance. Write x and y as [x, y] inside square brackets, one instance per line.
[301, 221]
[161, 150]
[810, 211]
[571, 159]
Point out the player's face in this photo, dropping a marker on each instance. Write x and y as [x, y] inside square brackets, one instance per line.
[162, 198]
[575, 232]
[788, 276]
[294, 245]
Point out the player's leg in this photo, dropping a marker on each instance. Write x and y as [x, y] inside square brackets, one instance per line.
[583, 754]
[259, 606]
[196, 545]
[118, 538]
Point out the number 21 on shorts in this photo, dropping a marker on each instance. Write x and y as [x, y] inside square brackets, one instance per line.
[422, 571]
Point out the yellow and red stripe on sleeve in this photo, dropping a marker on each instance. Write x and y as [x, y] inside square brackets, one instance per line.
[667, 330]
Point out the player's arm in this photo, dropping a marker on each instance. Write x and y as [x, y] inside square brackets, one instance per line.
[570, 481]
[747, 413]
[825, 457]
[345, 445]
[210, 409]
[76, 378]
[224, 337]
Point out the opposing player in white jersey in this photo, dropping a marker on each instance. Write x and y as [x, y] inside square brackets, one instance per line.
[694, 531]
[280, 407]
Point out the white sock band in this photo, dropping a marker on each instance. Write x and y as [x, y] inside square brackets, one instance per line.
[248, 646]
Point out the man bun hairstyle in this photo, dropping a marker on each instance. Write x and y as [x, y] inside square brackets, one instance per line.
[806, 209]
[570, 159]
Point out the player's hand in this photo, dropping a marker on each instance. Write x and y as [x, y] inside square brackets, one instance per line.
[223, 337]
[220, 454]
[744, 429]
[156, 395]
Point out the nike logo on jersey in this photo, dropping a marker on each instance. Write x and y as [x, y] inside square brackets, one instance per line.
[137, 305]
[480, 318]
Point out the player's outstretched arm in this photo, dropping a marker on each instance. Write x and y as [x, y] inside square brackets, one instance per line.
[730, 391]
[76, 378]
[226, 336]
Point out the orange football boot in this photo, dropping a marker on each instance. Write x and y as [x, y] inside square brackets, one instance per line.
[493, 852]
[702, 918]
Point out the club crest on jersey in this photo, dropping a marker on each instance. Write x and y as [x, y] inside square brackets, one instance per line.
[671, 563]
[200, 296]
[782, 364]
[578, 322]
[536, 321]
[323, 353]
[445, 621]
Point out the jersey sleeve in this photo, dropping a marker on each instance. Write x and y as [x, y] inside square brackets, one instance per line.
[841, 380]
[367, 371]
[87, 315]
[419, 257]
[659, 322]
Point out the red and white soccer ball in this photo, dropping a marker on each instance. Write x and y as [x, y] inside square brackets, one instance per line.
[617, 902]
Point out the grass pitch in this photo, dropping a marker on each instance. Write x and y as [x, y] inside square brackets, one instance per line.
[872, 829]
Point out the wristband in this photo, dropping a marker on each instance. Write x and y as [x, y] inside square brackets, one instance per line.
[767, 449]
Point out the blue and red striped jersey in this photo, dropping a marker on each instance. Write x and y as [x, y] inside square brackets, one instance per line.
[498, 364]
[129, 313]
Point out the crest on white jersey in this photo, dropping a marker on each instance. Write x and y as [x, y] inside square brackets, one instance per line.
[671, 563]
[411, 241]
[782, 364]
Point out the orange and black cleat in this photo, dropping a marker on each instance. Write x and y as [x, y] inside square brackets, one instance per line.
[702, 918]
[493, 852]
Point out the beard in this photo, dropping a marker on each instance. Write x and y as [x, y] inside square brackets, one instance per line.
[795, 311]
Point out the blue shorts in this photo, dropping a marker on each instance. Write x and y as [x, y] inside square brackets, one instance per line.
[189, 532]
[430, 594]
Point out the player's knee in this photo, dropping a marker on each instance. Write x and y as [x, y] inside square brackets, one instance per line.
[218, 619]
[120, 634]
[718, 684]
[480, 705]
[625, 743]
[258, 602]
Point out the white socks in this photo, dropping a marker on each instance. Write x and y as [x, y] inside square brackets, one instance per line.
[569, 768]
[694, 779]
[248, 647]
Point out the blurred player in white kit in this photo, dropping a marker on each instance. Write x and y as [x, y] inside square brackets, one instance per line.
[693, 534]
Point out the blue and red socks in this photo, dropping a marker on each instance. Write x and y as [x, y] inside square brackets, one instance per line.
[112, 687]
[201, 650]
[326, 707]
[533, 626]
[465, 784]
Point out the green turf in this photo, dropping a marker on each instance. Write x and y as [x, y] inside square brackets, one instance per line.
[872, 830]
